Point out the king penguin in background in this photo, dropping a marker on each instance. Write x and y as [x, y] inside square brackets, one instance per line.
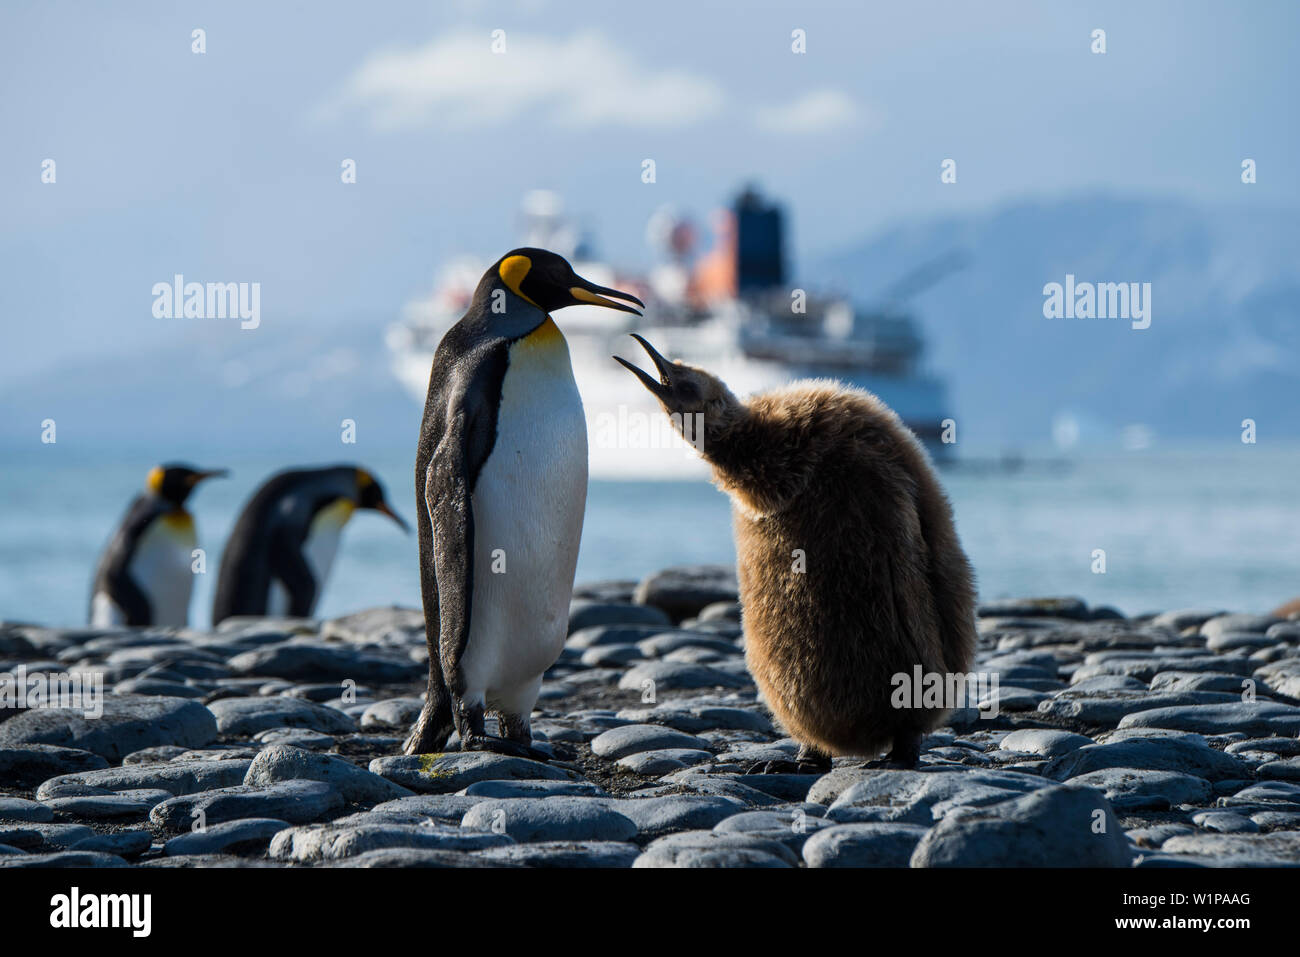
[283, 544]
[501, 484]
[144, 576]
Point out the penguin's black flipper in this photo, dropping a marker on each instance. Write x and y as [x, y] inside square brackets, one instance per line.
[289, 566]
[447, 494]
[112, 577]
[129, 597]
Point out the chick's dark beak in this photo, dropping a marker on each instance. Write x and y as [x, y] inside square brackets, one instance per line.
[664, 386]
[589, 292]
[383, 508]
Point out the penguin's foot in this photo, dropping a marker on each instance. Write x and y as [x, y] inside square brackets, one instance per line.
[490, 742]
[888, 764]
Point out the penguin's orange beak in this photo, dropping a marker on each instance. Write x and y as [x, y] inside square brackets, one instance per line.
[589, 292]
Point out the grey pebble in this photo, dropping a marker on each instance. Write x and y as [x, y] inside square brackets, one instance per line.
[297, 802]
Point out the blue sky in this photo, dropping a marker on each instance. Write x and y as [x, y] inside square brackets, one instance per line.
[225, 166]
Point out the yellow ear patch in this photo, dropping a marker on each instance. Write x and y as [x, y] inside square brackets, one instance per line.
[154, 481]
[513, 269]
[364, 479]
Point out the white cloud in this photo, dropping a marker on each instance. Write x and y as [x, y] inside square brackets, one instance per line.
[820, 111]
[584, 80]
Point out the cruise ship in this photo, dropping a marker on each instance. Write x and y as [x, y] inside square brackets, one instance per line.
[731, 310]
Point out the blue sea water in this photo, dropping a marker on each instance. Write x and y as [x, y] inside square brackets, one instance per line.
[1201, 527]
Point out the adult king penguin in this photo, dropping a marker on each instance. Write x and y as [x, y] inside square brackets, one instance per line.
[284, 542]
[145, 576]
[501, 484]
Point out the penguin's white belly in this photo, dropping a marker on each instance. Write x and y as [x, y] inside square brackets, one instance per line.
[161, 568]
[528, 506]
[319, 549]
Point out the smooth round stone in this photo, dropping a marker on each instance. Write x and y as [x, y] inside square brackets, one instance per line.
[658, 815]
[684, 592]
[598, 635]
[17, 809]
[664, 760]
[1071, 608]
[338, 841]
[556, 818]
[1130, 789]
[613, 590]
[720, 611]
[131, 843]
[634, 738]
[1283, 747]
[296, 738]
[29, 765]
[711, 849]
[442, 773]
[702, 656]
[1259, 718]
[412, 857]
[1051, 827]
[59, 835]
[282, 763]
[1223, 624]
[128, 805]
[1265, 792]
[394, 713]
[1182, 618]
[1276, 847]
[165, 752]
[1225, 822]
[657, 646]
[320, 693]
[1153, 837]
[20, 836]
[128, 723]
[325, 663]
[792, 827]
[247, 716]
[154, 686]
[1102, 683]
[922, 797]
[678, 676]
[1284, 820]
[863, 845]
[543, 788]
[228, 836]
[442, 808]
[1045, 742]
[61, 859]
[1232, 640]
[565, 854]
[694, 718]
[297, 802]
[1283, 769]
[588, 614]
[610, 656]
[175, 777]
[1182, 755]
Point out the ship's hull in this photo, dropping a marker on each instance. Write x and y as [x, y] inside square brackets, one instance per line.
[628, 435]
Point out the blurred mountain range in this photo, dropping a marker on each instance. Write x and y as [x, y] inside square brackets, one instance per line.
[1222, 344]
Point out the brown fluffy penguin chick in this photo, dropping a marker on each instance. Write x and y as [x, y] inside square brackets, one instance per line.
[850, 569]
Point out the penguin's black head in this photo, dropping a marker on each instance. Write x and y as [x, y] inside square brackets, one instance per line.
[548, 281]
[174, 482]
[370, 494]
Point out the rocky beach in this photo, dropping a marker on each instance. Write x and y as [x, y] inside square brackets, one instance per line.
[1160, 741]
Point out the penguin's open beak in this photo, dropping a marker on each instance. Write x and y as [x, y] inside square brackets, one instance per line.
[383, 508]
[597, 295]
[664, 386]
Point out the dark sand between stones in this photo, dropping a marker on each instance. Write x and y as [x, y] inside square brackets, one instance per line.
[1166, 740]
